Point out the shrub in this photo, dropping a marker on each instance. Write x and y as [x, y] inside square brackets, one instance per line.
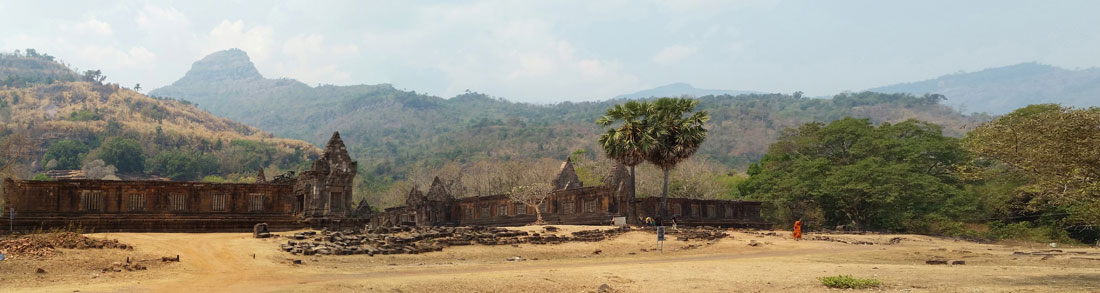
[848, 282]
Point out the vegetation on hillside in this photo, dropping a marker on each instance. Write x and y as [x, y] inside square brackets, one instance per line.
[394, 132]
[72, 120]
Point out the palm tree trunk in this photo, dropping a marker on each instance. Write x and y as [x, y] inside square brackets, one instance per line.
[631, 212]
[664, 198]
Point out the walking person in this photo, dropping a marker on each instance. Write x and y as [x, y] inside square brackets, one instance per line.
[797, 234]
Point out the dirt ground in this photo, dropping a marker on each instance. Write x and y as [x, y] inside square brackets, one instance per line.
[235, 262]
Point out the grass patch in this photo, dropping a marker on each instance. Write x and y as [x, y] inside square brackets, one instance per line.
[848, 282]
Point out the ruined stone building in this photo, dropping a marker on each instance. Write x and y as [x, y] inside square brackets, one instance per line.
[570, 203]
[322, 197]
[319, 196]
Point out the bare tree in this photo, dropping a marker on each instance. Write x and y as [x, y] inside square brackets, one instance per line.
[530, 183]
[533, 195]
[15, 149]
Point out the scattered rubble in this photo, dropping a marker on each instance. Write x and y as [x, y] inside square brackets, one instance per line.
[129, 267]
[415, 240]
[45, 245]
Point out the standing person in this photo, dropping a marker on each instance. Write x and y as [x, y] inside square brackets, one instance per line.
[674, 223]
[798, 230]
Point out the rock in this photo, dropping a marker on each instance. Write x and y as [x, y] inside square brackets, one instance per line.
[40, 271]
[958, 262]
[260, 231]
[754, 243]
[598, 251]
[515, 258]
[605, 289]
[297, 261]
[936, 262]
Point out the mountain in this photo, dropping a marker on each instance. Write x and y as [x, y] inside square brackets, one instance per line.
[57, 107]
[679, 89]
[1003, 89]
[390, 131]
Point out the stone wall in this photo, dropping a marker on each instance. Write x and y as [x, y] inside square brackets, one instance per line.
[148, 205]
[319, 197]
[569, 204]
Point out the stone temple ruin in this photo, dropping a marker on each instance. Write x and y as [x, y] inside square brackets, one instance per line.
[570, 203]
[321, 197]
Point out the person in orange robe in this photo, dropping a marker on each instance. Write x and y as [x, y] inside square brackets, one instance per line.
[798, 230]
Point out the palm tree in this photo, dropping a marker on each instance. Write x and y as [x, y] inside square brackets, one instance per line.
[677, 133]
[631, 140]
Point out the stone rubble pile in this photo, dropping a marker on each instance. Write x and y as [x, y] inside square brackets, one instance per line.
[415, 240]
[45, 245]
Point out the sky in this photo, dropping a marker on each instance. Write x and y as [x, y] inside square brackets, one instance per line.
[552, 51]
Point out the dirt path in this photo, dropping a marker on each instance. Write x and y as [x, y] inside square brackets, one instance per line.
[238, 263]
[223, 262]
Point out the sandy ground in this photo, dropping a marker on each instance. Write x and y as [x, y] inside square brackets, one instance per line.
[235, 262]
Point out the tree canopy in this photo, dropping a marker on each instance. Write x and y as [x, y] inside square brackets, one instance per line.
[1057, 150]
[851, 173]
[67, 154]
[125, 154]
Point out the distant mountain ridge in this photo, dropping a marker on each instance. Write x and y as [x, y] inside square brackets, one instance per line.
[389, 130]
[680, 89]
[1003, 89]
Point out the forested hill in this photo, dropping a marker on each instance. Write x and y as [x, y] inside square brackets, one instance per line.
[1003, 89]
[679, 89]
[389, 130]
[72, 118]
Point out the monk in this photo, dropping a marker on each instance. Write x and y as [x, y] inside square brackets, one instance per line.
[798, 230]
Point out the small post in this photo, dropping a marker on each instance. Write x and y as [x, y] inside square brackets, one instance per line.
[661, 238]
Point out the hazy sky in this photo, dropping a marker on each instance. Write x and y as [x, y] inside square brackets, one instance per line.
[551, 51]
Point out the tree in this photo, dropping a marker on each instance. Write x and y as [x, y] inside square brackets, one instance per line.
[1055, 149]
[95, 76]
[137, 87]
[68, 153]
[631, 140]
[851, 173]
[98, 170]
[532, 195]
[124, 153]
[677, 132]
[181, 166]
[15, 148]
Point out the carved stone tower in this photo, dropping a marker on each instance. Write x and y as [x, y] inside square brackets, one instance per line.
[326, 189]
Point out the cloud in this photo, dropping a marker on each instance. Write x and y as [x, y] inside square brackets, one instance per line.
[257, 41]
[134, 58]
[311, 60]
[156, 19]
[520, 55]
[95, 26]
[673, 54]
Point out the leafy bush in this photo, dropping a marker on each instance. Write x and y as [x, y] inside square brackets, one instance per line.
[1027, 231]
[849, 282]
[68, 153]
[125, 154]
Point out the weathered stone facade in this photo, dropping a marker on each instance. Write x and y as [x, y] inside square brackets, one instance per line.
[325, 191]
[162, 206]
[570, 203]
